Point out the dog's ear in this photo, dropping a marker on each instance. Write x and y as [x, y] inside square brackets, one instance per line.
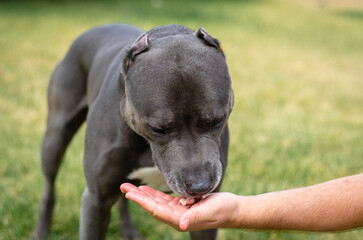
[208, 39]
[140, 45]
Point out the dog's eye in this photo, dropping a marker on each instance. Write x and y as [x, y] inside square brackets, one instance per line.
[217, 123]
[212, 124]
[159, 132]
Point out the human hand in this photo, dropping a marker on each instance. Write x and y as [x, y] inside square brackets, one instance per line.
[214, 211]
[161, 206]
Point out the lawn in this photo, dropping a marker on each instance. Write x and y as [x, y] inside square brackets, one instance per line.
[297, 73]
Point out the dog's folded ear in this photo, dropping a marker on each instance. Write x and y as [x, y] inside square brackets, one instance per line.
[208, 39]
[140, 45]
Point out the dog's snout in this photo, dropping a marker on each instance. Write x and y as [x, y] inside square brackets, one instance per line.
[198, 185]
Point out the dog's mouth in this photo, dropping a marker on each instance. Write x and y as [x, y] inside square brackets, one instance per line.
[194, 182]
[194, 186]
[190, 201]
[197, 190]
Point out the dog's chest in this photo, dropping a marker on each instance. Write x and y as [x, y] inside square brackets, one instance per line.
[150, 176]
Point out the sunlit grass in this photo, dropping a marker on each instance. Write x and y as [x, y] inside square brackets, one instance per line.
[298, 115]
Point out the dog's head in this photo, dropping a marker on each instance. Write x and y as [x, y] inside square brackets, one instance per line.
[178, 97]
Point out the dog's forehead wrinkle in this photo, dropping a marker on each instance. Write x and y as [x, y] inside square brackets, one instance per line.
[181, 86]
[161, 117]
[182, 52]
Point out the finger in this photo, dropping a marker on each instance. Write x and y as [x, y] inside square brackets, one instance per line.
[126, 187]
[176, 206]
[190, 220]
[148, 202]
[198, 217]
[142, 200]
[160, 200]
[190, 201]
[150, 192]
[184, 223]
[156, 193]
[137, 195]
[175, 201]
[187, 201]
[161, 211]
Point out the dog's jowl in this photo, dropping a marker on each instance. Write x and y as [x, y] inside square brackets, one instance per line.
[156, 104]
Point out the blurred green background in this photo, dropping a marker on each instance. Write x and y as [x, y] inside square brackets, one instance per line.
[297, 72]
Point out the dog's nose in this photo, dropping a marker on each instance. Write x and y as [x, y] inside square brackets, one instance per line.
[198, 185]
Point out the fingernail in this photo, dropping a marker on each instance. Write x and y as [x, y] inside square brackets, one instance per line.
[186, 222]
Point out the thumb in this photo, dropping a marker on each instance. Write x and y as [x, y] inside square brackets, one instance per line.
[184, 223]
[190, 217]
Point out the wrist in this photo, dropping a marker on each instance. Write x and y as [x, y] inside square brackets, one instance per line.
[240, 212]
[251, 212]
[242, 217]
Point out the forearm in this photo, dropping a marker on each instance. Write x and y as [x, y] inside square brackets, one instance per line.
[330, 206]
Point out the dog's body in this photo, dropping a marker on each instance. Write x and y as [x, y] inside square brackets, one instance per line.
[160, 101]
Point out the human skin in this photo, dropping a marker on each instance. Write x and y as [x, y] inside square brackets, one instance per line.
[330, 206]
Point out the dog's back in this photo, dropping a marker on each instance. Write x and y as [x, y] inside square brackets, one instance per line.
[92, 52]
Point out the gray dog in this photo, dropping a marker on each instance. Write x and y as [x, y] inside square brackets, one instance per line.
[157, 105]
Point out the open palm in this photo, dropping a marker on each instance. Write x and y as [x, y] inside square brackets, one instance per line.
[161, 206]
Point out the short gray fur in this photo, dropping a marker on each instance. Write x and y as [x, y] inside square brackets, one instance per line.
[157, 98]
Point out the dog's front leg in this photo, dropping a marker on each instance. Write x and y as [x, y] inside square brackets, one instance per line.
[128, 230]
[95, 215]
[204, 235]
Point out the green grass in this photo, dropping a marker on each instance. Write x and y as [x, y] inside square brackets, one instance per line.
[298, 116]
